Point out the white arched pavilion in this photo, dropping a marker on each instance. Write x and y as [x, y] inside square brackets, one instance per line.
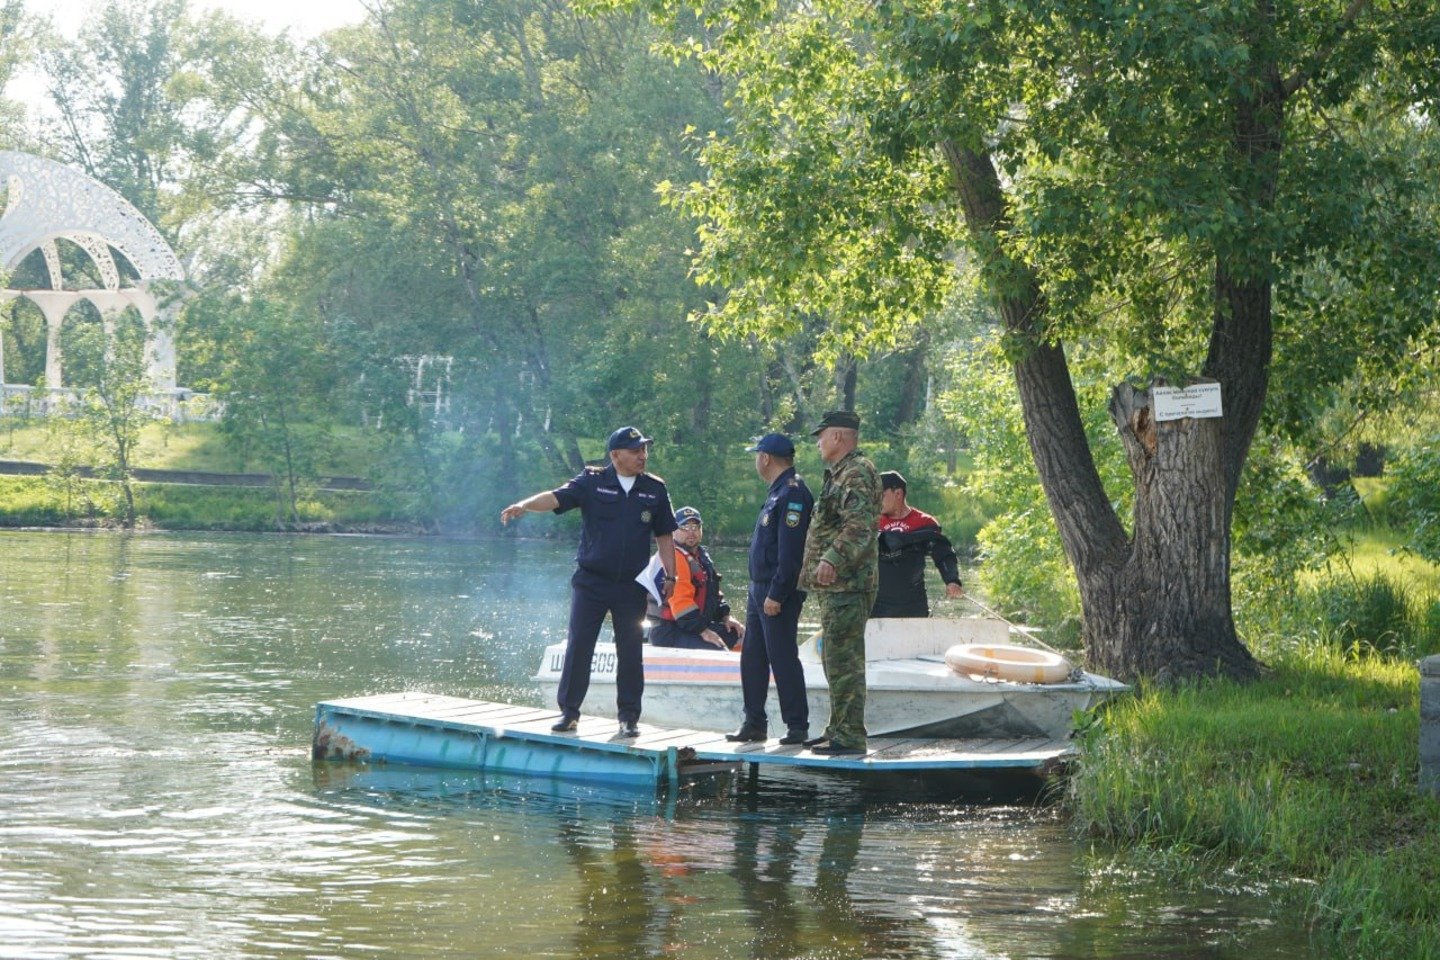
[47, 202]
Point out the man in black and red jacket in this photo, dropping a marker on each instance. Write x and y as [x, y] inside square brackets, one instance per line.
[907, 537]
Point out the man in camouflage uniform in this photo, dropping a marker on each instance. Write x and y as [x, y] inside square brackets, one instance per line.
[840, 569]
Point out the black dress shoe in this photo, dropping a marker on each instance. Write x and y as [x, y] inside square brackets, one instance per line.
[748, 733]
[832, 749]
[565, 724]
[794, 737]
[628, 728]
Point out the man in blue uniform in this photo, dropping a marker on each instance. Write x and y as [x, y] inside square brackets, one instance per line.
[773, 615]
[621, 508]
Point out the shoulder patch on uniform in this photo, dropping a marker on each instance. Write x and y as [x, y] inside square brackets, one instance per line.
[792, 519]
[796, 506]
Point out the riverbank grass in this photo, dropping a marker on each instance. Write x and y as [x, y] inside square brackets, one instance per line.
[203, 447]
[38, 502]
[1309, 774]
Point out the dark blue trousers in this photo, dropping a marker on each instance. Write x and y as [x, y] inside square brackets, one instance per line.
[771, 647]
[666, 634]
[591, 598]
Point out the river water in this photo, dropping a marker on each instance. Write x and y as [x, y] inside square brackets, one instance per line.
[157, 796]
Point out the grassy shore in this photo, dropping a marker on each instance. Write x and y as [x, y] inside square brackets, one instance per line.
[36, 502]
[175, 446]
[1307, 777]
[40, 501]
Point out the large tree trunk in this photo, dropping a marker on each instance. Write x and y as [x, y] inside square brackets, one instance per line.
[1156, 603]
[1165, 611]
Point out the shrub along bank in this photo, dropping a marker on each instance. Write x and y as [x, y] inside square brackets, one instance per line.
[1309, 774]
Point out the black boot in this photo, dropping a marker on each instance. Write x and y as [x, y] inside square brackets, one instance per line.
[748, 733]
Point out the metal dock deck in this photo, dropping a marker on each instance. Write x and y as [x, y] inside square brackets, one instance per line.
[439, 731]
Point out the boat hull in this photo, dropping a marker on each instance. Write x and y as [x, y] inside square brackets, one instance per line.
[907, 696]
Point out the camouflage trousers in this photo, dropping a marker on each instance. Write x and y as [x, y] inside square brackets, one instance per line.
[842, 652]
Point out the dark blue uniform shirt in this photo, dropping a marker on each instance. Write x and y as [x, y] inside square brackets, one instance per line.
[615, 527]
[778, 544]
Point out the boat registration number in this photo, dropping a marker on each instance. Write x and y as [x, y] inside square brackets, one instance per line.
[602, 664]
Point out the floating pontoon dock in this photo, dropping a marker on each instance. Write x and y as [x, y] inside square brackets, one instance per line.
[438, 731]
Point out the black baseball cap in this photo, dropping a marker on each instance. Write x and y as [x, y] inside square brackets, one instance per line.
[892, 480]
[627, 438]
[848, 419]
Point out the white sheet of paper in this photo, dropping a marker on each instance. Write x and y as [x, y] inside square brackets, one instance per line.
[646, 578]
[1197, 400]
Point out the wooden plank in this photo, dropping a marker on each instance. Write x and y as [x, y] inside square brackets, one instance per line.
[539, 722]
[495, 717]
[660, 738]
[476, 707]
[882, 749]
[376, 701]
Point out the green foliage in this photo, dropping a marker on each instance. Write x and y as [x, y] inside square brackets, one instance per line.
[179, 507]
[35, 502]
[1024, 568]
[803, 217]
[273, 385]
[1374, 613]
[1282, 528]
[133, 103]
[112, 377]
[1307, 773]
[1413, 496]
[71, 448]
[39, 501]
[1025, 571]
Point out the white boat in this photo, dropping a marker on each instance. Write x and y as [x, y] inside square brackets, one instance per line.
[911, 691]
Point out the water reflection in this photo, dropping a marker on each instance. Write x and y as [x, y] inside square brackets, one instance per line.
[730, 868]
[158, 799]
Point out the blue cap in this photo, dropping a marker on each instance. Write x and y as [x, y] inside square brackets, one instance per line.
[687, 515]
[627, 438]
[776, 443]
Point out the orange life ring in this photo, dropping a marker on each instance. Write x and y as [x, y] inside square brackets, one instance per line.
[1008, 663]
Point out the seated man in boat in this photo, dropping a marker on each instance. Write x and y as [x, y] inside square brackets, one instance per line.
[696, 615]
[907, 538]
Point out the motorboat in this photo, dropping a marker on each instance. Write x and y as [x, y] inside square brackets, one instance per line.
[912, 691]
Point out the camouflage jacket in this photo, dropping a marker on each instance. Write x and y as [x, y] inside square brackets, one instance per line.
[843, 529]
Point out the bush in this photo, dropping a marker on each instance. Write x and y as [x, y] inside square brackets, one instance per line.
[1026, 574]
[1376, 614]
[1414, 496]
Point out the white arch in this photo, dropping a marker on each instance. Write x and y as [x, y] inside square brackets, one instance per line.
[48, 201]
